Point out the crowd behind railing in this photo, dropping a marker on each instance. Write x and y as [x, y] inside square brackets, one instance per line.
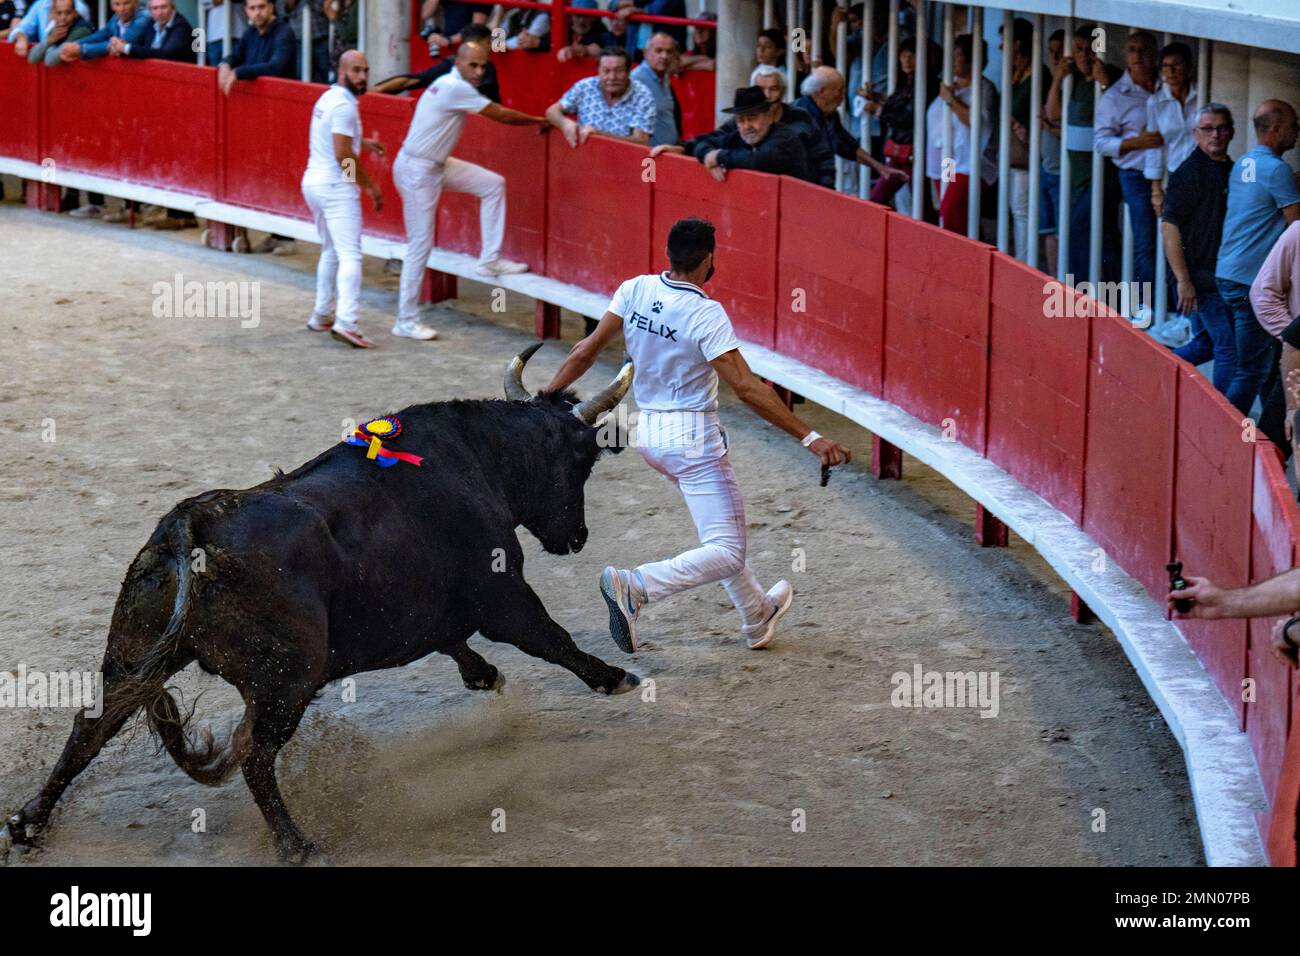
[1145, 155]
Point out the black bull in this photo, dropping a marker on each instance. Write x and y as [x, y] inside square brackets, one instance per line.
[342, 567]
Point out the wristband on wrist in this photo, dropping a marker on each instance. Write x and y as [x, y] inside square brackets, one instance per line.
[809, 439]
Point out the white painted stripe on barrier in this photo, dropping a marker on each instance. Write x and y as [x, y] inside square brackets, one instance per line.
[1225, 780]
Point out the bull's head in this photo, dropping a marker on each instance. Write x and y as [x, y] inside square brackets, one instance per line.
[558, 519]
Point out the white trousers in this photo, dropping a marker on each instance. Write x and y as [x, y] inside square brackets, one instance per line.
[699, 468]
[420, 182]
[1020, 213]
[336, 209]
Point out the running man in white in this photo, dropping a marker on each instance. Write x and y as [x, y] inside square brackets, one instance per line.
[330, 186]
[424, 167]
[680, 341]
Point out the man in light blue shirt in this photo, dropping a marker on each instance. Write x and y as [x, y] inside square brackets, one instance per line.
[1262, 201]
[34, 24]
[653, 75]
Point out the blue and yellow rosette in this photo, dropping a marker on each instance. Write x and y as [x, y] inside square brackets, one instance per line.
[372, 435]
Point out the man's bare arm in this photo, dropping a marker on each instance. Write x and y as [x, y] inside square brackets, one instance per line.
[583, 354]
[504, 114]
[1277, 595]
[735, 371]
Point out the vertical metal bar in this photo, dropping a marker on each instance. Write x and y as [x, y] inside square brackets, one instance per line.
[101, 10]
[791, 71]
[361, 25]
[1202, 73]
[946, 147]
[817, 27]
[1035, 140]
[305, 54]
[204, 7]
[769, 14]
[892, 75]
[974, 200]
[1064, 203]
[228, 18]
[864, 128]
[1126, 264]
[1004, 139]
[842, 61]
[919, 185]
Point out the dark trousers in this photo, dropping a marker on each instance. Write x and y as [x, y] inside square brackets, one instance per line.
[1136, 190]
[1213, 337]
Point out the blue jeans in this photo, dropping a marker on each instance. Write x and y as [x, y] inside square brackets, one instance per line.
[1255, 347]
[1136, 190]
[1081, 230]
[1049, 199]
[1213, 337]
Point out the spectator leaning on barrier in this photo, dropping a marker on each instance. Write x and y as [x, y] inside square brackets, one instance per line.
[473, 33]
[1171, 112]
[265, 49]
[1123, 137]
[823, 92]
[170, 37]
[653, 73]
[1194, 207]
[129, 23]
[216, 38]
[32, 26]
[1262, 201]
[609, 103]
[756, 141]
[772, 82]
[65, 25]
[952, 201]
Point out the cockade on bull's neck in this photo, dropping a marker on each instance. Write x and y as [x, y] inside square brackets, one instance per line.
[638, 321]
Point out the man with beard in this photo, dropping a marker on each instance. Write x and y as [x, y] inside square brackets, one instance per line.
[329, 185]
[680, 342]
[754, 141]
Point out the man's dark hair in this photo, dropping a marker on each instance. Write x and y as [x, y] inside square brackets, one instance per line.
[1180, 50]
[617, 51]
[1057, 37]
[689, 241]
[1022, 35]
[1084, 32]
[966, 44]
[775, 35]
[474, 33]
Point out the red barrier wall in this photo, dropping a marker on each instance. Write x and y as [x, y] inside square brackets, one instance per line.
[744, 210]
[1089, 412]
[937, 326]
[830, 296]
[19, 116]
[1212, 518]
[597, 212]
[1038, 382]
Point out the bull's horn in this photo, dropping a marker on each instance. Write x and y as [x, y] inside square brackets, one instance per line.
[610, 396]
[514, 382]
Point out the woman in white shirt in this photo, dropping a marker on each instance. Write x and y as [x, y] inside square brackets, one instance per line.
[1171, 111]
[956, 167]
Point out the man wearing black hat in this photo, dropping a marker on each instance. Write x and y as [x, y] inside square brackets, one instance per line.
[756, 141]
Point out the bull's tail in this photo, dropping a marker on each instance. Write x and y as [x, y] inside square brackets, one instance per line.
[145, 687]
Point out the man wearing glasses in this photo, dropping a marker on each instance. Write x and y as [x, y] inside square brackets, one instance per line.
[1194, 207]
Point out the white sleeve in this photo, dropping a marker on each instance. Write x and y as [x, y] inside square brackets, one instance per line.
[619, 304]
[716, 333]
[343, 120]
[468, 99]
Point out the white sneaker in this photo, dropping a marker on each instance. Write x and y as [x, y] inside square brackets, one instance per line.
[318, 323]
[617, 589]
[414, 330]
[759, 636]
[285, 247]
[501, 267]
[86, 212]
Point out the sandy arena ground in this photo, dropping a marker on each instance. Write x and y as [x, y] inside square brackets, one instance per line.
[150, 410]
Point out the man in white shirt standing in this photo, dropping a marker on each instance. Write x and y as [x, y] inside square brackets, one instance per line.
[680, 341]
[424, 167]
[330, 186]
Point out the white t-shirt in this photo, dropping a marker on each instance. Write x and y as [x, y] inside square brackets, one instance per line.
[440, 116]
[334, 112]
[673, 331]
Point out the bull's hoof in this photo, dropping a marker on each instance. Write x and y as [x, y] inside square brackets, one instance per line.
[496, 682]
[629, 682]
[297, 852]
